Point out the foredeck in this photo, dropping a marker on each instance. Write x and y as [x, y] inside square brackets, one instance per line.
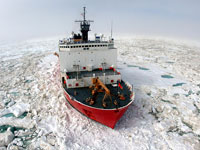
[81, 94]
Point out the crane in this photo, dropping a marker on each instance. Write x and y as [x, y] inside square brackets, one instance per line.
[97, 87]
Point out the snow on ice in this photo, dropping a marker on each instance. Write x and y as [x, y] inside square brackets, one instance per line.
[165, 114]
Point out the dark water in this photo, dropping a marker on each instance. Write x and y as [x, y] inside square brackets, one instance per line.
[178, 84]
[12, 115]
[141, 68]
[3, 128]
[167, 76]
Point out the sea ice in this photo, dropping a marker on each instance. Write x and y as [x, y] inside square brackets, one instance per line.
[163, 116]
[6, 137]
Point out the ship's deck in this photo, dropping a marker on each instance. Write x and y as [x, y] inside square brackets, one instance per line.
[68, 41]
[83, 93]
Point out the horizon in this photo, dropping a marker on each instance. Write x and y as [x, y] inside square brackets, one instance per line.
[24, 19]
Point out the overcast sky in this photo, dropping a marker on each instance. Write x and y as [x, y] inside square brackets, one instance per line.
[25, 19]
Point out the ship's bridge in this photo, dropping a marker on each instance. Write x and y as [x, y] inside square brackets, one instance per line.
[80, 45]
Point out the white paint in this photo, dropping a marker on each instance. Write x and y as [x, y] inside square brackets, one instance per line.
[88, 59]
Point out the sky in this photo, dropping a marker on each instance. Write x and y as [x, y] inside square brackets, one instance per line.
[26, 19]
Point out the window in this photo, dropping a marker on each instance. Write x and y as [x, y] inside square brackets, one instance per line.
[86, 48]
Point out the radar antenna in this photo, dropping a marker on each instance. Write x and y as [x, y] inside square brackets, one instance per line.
[85, 26]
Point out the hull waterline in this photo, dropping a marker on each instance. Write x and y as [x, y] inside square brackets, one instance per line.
[108, 117]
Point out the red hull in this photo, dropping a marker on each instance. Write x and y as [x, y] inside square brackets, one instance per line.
[108, 117]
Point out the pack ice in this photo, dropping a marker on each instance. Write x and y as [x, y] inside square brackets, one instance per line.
[165, 114]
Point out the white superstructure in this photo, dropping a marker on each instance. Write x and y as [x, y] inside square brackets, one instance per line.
[81, 59]
[88, 56]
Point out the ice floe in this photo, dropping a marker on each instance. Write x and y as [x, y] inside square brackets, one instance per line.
[165, 114]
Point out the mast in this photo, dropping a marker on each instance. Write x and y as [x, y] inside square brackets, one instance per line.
[111, 29]
[85, 26]
[84, 13]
